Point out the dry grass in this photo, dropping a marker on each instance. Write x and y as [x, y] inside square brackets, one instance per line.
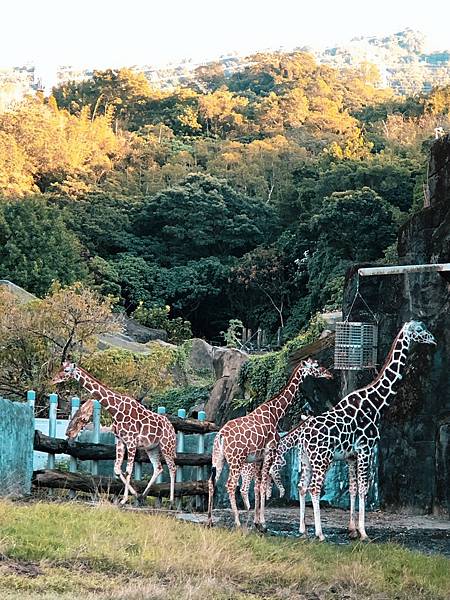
[67, 550]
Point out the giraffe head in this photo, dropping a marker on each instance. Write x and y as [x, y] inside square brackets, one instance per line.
[80, 419]
[416, 331]
[64, 373]
[313, 369]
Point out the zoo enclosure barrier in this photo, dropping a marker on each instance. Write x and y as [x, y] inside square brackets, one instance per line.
[87, 463]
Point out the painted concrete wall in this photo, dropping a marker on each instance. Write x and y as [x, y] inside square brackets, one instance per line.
[16, 448]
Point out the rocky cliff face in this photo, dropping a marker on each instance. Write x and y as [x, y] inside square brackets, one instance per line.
[414, 457]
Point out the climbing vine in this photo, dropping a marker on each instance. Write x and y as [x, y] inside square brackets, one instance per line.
[263, 376]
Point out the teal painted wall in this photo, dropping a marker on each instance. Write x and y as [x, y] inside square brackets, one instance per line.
[16, 448]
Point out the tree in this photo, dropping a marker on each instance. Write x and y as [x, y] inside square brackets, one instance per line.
[36, 248]
[352, 226]
[202, 216]
[36, 336]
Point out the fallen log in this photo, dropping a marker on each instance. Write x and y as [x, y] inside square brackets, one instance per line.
[90, 451]
[82, 482]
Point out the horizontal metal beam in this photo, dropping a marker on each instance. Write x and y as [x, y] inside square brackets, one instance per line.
[400, 269]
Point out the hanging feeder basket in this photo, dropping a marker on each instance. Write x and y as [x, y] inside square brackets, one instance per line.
[355, 346]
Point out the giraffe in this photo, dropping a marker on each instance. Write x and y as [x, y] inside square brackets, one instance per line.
[253, 438]
[348, 431]
[134, 426]
[249, 472]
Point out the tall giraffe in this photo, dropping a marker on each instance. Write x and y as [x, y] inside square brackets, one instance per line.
[348, 431]
[134, 426]
[253, 438]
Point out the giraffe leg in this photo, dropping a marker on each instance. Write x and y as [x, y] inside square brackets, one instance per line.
[303, 484]
[233, 477]
[315, 489]
[170, 461]
[353, 488]
[131, 448]
[257, 515]
[155, 459]
[216, 470]
[269, 457]
[363, 467]
[275, 475]
[247, 475]
[120, 454]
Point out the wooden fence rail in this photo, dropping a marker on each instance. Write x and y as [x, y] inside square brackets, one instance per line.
[91, 451]
[79, 482]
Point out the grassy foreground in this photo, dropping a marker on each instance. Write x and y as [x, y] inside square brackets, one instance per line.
[62, 551]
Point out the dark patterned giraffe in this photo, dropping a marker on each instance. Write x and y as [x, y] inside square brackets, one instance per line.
[253, 438]
[348, 431]
[134, 426]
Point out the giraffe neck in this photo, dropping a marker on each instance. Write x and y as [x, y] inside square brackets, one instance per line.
[383, 389]
[280, 403]
[104, 395]
[290, 440]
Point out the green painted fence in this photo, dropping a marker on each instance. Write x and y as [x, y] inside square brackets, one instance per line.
[16, 447]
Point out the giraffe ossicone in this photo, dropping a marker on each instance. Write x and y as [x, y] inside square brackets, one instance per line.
[134, 426]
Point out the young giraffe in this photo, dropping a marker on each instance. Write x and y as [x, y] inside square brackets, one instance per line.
[348, 431]
[253, 438]
[250, 471]
[133, 425]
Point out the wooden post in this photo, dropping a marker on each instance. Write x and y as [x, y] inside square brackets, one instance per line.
[180, 448]
[258, 338]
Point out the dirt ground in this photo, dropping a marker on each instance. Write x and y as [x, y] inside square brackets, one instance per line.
[428, 533]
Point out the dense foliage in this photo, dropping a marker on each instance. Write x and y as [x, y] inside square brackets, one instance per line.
[242, 196]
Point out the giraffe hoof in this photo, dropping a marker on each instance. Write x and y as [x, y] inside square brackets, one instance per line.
[353, 534]
[261, 527]
[304, 536]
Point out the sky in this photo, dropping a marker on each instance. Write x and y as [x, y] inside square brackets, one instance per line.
[112, 33]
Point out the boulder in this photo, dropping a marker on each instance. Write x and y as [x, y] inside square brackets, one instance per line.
[227, 363]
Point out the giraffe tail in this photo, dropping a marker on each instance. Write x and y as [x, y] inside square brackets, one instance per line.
[217, 461]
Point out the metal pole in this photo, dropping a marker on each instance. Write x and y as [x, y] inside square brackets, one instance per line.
[201, 450]
[96, 433]
[400, 269]
[180, 448]
[161, 411]
[31, 399]
[75, 405]
[52, 426]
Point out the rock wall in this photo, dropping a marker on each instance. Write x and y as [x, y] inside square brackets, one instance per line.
[414, 454]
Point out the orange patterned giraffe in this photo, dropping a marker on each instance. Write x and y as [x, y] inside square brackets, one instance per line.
[253, 438]
[134, 426]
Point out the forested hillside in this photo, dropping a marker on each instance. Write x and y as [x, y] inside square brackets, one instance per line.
[239, 197]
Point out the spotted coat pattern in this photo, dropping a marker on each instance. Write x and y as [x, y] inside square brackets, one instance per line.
[349, 431]
[134, 426]
[253, 438]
